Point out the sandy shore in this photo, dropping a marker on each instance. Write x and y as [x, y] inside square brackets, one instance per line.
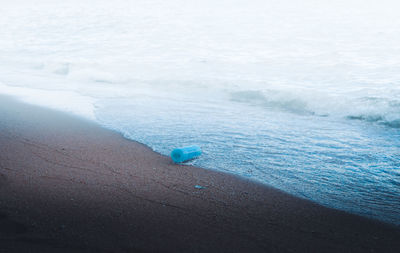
[68, 185]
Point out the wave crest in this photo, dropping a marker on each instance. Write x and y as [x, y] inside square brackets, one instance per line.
[382, 110]
[273, 100]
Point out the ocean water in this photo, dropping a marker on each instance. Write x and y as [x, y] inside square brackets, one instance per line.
[300, 95]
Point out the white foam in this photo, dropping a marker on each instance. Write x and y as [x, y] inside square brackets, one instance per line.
[60, 100]
[321, 57]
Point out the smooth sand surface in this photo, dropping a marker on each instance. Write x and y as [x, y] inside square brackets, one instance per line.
[68, 185]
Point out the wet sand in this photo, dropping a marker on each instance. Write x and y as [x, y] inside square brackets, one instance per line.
[68, 185]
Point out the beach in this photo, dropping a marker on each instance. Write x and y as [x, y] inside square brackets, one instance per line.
[69, 185]
[279, 92]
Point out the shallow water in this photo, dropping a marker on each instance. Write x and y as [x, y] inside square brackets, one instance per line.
[301, 96]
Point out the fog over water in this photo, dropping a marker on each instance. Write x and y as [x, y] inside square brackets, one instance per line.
[300, 95]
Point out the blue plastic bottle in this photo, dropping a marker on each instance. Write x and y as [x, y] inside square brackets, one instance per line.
[179, 155]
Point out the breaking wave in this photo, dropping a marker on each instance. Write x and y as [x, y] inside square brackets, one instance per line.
[380, 110]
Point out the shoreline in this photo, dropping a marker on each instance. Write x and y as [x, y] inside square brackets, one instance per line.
[69, 185]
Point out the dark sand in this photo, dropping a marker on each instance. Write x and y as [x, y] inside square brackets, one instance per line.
[68, 185]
